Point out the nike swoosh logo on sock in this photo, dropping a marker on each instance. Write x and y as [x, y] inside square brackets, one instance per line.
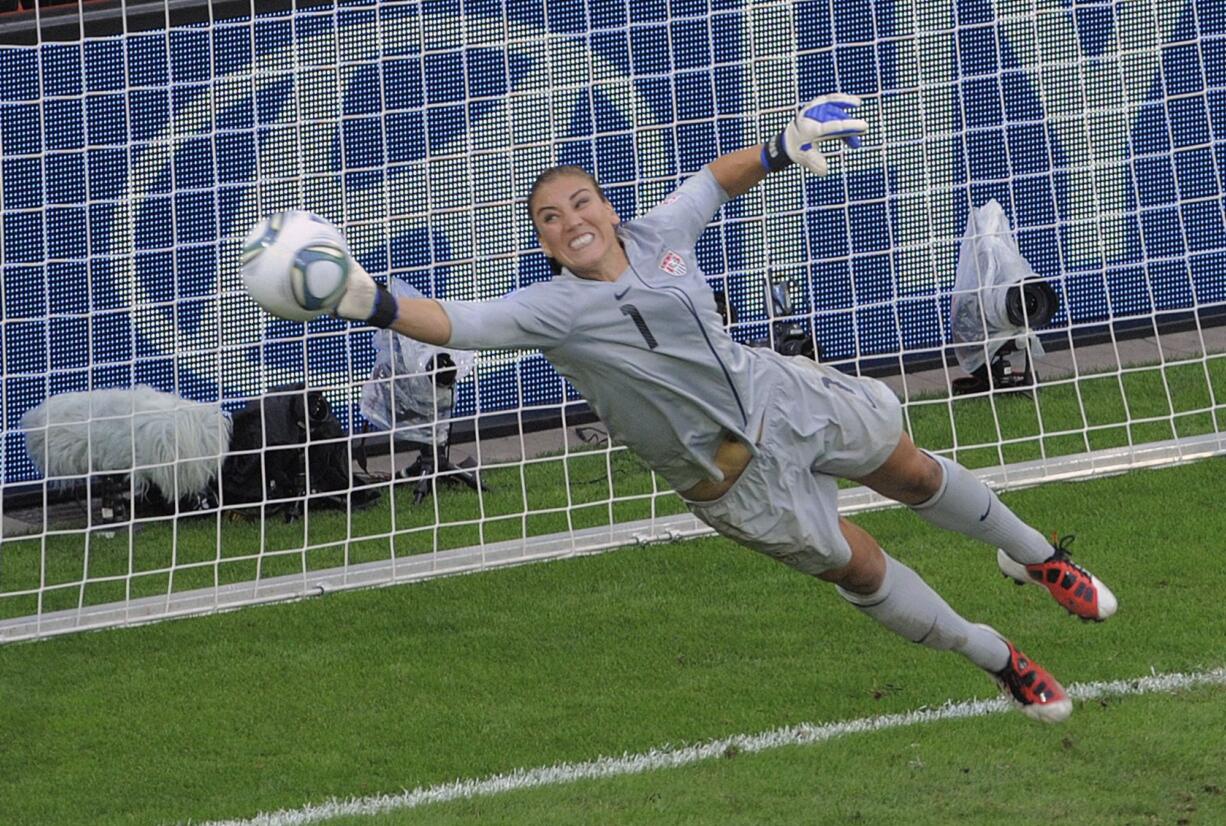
[989, 510]
[619, 296]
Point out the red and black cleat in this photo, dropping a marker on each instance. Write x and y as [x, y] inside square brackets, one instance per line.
[1032, 689]
[1079, 591]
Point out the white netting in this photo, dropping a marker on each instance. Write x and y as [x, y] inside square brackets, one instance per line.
[135, 163]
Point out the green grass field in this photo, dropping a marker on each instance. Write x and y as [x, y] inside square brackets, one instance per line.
[360, 693]
[582, 490]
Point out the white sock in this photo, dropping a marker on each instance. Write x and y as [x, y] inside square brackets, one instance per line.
[906, 605]
[968, 506]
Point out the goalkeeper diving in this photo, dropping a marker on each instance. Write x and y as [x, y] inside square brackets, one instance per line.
[753, 441]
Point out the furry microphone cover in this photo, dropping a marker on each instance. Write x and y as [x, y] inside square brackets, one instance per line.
[165, 441]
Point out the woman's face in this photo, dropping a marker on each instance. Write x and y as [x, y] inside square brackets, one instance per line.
[577, 227]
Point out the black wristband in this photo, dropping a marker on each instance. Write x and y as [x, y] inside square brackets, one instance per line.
[387, 308]
[774, 154]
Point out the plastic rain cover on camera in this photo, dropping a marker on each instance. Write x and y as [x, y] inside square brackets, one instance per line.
[989, 263]
[401, 395]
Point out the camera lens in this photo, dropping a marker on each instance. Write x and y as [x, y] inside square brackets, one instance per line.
[317, 407]
[446, 370]
[1031, 304]
[795, 341]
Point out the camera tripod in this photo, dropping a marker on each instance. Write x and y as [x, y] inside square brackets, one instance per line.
[434, 461]
[1001, 374]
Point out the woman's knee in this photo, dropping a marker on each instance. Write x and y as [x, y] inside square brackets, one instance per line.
[865, 571]
[909, 476]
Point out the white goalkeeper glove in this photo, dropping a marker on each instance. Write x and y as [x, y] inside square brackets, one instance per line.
[824, 118]
[365, 300]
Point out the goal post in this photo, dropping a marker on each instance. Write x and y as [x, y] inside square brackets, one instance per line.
[141, 141]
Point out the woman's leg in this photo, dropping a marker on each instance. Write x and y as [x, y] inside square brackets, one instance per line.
[945, 494]
[894, 595]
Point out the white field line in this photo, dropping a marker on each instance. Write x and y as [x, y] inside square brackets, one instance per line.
[667, 757]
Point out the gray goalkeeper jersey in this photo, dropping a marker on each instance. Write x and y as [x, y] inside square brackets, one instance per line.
[648, 351]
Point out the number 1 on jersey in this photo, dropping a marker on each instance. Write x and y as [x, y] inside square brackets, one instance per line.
[637, 318]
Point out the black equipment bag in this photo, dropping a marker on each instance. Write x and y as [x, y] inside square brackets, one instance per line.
[280, 442]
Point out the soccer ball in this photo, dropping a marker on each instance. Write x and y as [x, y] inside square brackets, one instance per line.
[295, 265]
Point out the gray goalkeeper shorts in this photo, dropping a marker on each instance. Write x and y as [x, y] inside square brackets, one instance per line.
[821, 424]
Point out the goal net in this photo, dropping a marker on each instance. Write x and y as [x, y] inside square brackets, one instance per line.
[140, 148]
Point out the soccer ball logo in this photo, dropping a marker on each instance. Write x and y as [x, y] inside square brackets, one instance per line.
[295, 265]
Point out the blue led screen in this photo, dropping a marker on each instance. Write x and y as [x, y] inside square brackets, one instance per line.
[133, 166]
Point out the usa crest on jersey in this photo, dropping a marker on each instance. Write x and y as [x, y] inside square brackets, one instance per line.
[672, 263]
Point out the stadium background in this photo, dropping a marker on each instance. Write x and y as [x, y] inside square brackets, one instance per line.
[134, 164]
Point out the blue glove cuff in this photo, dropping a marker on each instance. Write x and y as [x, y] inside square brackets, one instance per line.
[775, 155]
[386, 310]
